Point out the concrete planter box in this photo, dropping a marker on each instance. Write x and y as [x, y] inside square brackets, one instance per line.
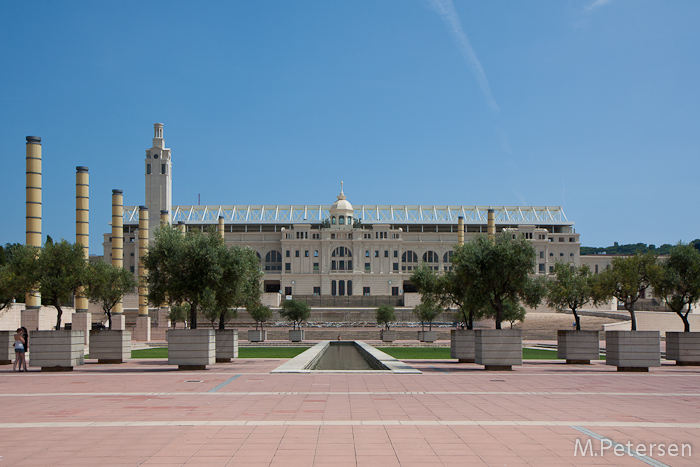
[462, 342]
[296, 335]
[427, 336]
[191, 349]
[257, 335]
[56, 350]
[226, 345]
[498, 349]
[387, 336]
[7, 347]
[683, 347]
[110, 346]
[632, 350]
[578, 347]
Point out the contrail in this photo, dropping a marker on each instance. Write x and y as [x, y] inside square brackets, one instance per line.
[448, 14]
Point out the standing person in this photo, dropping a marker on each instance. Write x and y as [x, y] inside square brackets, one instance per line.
[19, 350]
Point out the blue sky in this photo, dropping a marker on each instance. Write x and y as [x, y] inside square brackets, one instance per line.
[592, 105]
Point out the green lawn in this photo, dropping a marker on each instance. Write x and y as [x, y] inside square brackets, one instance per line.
[402, 353]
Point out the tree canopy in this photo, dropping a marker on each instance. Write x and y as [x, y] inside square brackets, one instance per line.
[626, 281]
[678, 281]
[570, 288]
[17, 272]
[260, 313]
[107, 284]
[198, 269]
[385, 315]
[492, 272]
[296, 312]
[427, 311]
[61, 270]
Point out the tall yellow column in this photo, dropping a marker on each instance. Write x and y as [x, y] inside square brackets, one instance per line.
[33, 216]
[181, 227]
[460, 230]
[82, 225]
[221, 227]
[143, 322]
[143, 249]
[164, 217]
[117, 238]
[491, 226]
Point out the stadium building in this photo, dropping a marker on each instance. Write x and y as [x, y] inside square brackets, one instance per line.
[366, 252]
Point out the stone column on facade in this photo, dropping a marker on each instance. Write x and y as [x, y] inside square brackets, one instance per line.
[81, 319]
[118, 321]
[460, 230]
[221, 227]
[33, 222]
[143, 321]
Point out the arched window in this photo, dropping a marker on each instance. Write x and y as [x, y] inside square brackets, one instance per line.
[410, 260]
[430, 257]
[447, 261]
[273, 261]
[341, 252]
[333, 220]
[341, 220]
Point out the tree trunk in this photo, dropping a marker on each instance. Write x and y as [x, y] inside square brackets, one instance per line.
[686, 322]
[578, 320]
[193, 316]
[470, 321]
[222, 323]
[59, 313]
[109, 319]
[634, 318]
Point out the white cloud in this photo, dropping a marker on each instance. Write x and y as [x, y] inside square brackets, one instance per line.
[448, 14]
[596, 4]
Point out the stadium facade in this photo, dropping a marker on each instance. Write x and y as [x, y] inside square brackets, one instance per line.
[340, 249]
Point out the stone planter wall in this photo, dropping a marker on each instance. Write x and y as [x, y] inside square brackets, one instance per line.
[387, 336]
[683, 347]
[191, 349]
[226, 345]
[632, 350]
[56, 350]
[296, 335]
[462, 345]
[7, 347]
[427, 336]
[257, 335]
[578, 347]
[109, 346]
[498, 349]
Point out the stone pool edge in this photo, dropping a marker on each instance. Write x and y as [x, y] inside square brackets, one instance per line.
[301, 362]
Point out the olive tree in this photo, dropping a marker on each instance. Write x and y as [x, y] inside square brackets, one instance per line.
[570, 288]
[260, 313]
[106, 285]
[678, 281]
[496, 271]
[426, 312]
[17, 272]
[385, 315]
[626, 281]
[61, 270]
[198, 269]
[296, 312]
[448, 289]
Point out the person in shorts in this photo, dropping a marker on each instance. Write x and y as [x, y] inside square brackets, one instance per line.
[20, 350]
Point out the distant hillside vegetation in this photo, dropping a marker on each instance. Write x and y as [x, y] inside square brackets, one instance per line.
[632, 249]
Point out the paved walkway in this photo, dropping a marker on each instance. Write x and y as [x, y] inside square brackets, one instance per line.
[144, 412]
